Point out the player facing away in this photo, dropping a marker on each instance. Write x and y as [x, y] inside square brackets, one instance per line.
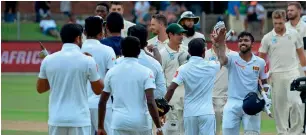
[244, 70]
[66, 73]
[198, 77]
[284, 47]
[131, 85]
[105, 59]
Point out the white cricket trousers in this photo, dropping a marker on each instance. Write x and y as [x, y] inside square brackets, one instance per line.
[174, 118]
[57, 130]
[125, 132]
[200, 125]
[233, 115]
[94, 116]
[285, 102]
[219, 103]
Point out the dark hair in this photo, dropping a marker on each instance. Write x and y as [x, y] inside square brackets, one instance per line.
[296, 4]
[93, 26]
[114, 22]
[246, 34]
[196, 47]
[130, 47]
[105, 5]
[116, 3]
[140, 32]
[161, 19]
[70, 31]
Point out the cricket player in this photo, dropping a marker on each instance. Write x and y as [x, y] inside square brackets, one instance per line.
[198, 77]
[141, 33]
[105, 59]
[114, 25]
[283, 45]
[221, 83]
[117, 6]
[131, 85]
[244, 70]
[66, 73]
[102, 10]
[188, 20]
[158, 27]
[173, 56]
[294, 11]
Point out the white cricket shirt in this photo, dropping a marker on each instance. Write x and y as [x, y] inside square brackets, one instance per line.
[68, 72]
[127, 83]
[105, 58]
[186, 40]
[198, 76]
[281, 50]
[126, 26]
[157, 70]
[159, 44]
[300, 27]
[243, 76]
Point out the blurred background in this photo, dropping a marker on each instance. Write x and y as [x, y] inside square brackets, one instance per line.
[23, 20]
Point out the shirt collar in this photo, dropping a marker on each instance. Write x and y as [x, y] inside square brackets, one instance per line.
[254, 58]
[129, 60]
[195, 59]
[91, 41]
[170, 50]
[275, 34]
[160, 42]
[70, 46]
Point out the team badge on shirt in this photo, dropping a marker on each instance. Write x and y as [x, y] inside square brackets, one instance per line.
[256, 69]
[274, 40]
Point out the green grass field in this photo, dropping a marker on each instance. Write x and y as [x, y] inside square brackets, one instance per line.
[21, 102]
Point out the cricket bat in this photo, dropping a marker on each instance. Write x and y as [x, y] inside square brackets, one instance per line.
[265, 97]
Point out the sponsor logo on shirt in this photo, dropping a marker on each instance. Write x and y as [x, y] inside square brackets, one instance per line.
[243, 67]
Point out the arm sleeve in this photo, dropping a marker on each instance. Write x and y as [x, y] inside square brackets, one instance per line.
[299, 42]
[178, 77]
[111, 60]
[161, 88]
[262, 73]
[107, 87]
[150, 81]
[93, 74]
[264, 46]
[42, 73]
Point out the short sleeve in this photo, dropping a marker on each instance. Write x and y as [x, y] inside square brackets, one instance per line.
[107, 87]
[42, 73]
[93, 74]
[264, 45]
[229, 60]
[178, 77]
[111, 59]
[150, 81]
[263, 74]
[299, 41]
[161, 88]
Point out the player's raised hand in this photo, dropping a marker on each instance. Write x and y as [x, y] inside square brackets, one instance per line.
[219, 38]
[43, 53]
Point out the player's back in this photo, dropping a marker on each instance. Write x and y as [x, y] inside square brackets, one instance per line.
[104, 57]
[198, 77]
[67, 73]
[127, 82]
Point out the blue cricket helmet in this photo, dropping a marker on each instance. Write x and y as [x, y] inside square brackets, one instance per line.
[252, 104]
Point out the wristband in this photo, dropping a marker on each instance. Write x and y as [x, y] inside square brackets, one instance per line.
[304, 68]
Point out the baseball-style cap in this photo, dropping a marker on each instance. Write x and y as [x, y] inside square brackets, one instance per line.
[252, 104]
[189, 15]
[175, 28]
